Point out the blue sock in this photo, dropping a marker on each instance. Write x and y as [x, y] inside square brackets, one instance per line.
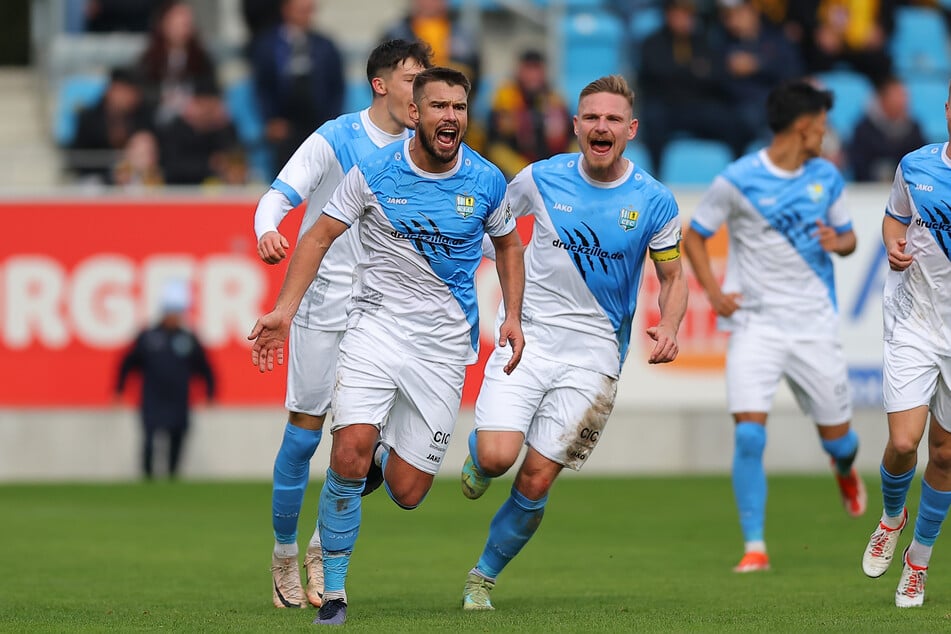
[843, 451]
[895, 490]
[291, 472]
[511, 528]
[749, 479]
[339, 520]
[932, 510]
[474, 451]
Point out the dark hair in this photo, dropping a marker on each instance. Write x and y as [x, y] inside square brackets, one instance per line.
[154, 59]
[792, 99]
[450, 76]
[389, 54]
[613, 84]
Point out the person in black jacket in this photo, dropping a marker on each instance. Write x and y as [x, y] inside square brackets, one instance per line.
[167, 356]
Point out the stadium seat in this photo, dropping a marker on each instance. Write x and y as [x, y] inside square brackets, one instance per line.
[243, 106]
[693, 161]
[920, 43]
[358, 95]
[852, 92]
[593, 41]
[926, 97]
[73, 94]
[637, 153]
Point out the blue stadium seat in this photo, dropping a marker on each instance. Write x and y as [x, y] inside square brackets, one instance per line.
[852, 92]
[926, 97]
[243, 106]
[592, 45]
[637, 153]
[693, 161]
[920, 43]
[73, 94]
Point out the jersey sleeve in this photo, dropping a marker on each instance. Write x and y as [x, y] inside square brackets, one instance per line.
[714, 207]
[500, 220]
[350, 199]
[899, 205]
[840, 217]
[519, 194]
[664, 245]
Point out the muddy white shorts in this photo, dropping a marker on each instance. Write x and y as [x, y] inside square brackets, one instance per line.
[915, 373]
[415, 402]
[758, 359]
[311, 367]
[560, 409]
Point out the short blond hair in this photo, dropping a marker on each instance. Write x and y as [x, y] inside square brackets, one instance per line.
[613, 84]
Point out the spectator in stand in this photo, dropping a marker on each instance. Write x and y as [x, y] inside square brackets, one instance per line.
[174, 59]
[107, 16]
[166, 355]
[259, 16]
[758, 57]
[529, 119]
[682, 83]
[453, 46]
[200, 145]
[104, 128]
[139, 164]
[851, 32]
[298, 77]
[885, 134]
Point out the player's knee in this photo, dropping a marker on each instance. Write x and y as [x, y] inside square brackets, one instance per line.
[407, 498]
[905, 445]
[495, 463]
[306, 421]
[939, 457]
[750, 440]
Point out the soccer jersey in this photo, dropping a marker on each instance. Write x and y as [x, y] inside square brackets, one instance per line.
[584, 264]
[775, 261]
[920, 295]
[422, 234]
[312, 173]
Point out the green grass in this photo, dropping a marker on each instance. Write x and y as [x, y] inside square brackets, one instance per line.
[613, 555]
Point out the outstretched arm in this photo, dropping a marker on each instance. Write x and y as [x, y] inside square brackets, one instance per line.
[673, 305]
[270, 331]
[510, 264]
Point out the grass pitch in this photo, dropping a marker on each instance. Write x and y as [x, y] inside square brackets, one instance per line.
[612, 555]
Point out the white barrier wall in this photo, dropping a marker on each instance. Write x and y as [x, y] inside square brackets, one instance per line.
[667, 419]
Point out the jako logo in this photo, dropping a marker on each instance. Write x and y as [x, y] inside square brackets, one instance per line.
[924, 188]
[396, 201]
[563, 207]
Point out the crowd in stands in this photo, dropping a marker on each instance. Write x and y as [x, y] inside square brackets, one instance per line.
[702, 72]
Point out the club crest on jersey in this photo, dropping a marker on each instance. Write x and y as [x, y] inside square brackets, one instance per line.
[815, 192]
[465, 205]
[628, 218]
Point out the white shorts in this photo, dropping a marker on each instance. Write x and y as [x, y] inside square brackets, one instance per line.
[914, 373]
[560, 409]
[413, 401]
[311, 367]
[816, 371]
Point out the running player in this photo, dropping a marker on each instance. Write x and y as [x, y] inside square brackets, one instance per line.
[916, 231]
[424, 206]
[785, 214]
[311, 174]
[596, 217]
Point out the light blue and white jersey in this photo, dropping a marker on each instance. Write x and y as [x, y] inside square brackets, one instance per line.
[312, 174]
[422, 235]
[775, 261]
[584, 264]
[921, 199]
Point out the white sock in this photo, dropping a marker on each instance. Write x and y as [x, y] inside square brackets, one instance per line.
[892, 522]
[315, 539]
[754, 547]
[285, 550]
[378, 455]
[919, 554]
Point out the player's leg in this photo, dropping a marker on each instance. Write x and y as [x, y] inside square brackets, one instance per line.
[567, 427]
[310, 376]
[934, 504]
[909, 377]
[148, 451]
[818, 375]
[504, 410]
[754, 367]
[176, 441]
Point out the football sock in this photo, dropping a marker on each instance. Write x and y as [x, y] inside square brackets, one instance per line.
[315, 539]
[749, 479]
[895, 490]
[339, 521]
[291, 472]
[513, 525]
[474, 451]
[285, 550]
[932, 510]
[843, 450]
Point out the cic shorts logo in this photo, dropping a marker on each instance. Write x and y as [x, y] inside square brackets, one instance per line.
[628, 218]
[465, 205]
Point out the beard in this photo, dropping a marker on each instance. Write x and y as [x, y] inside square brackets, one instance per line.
[443, 156]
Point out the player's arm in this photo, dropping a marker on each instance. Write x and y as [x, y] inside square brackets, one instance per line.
[695, 247]
[510, 264]
[895, 224]
[672, 300]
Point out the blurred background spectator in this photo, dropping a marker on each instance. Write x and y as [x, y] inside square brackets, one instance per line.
[259, 17]
[104, 128]
[298, 77]
[138, 165]
[108, 16]
[175, 58]
[529, 120]
[884, 134]
[167, 355]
